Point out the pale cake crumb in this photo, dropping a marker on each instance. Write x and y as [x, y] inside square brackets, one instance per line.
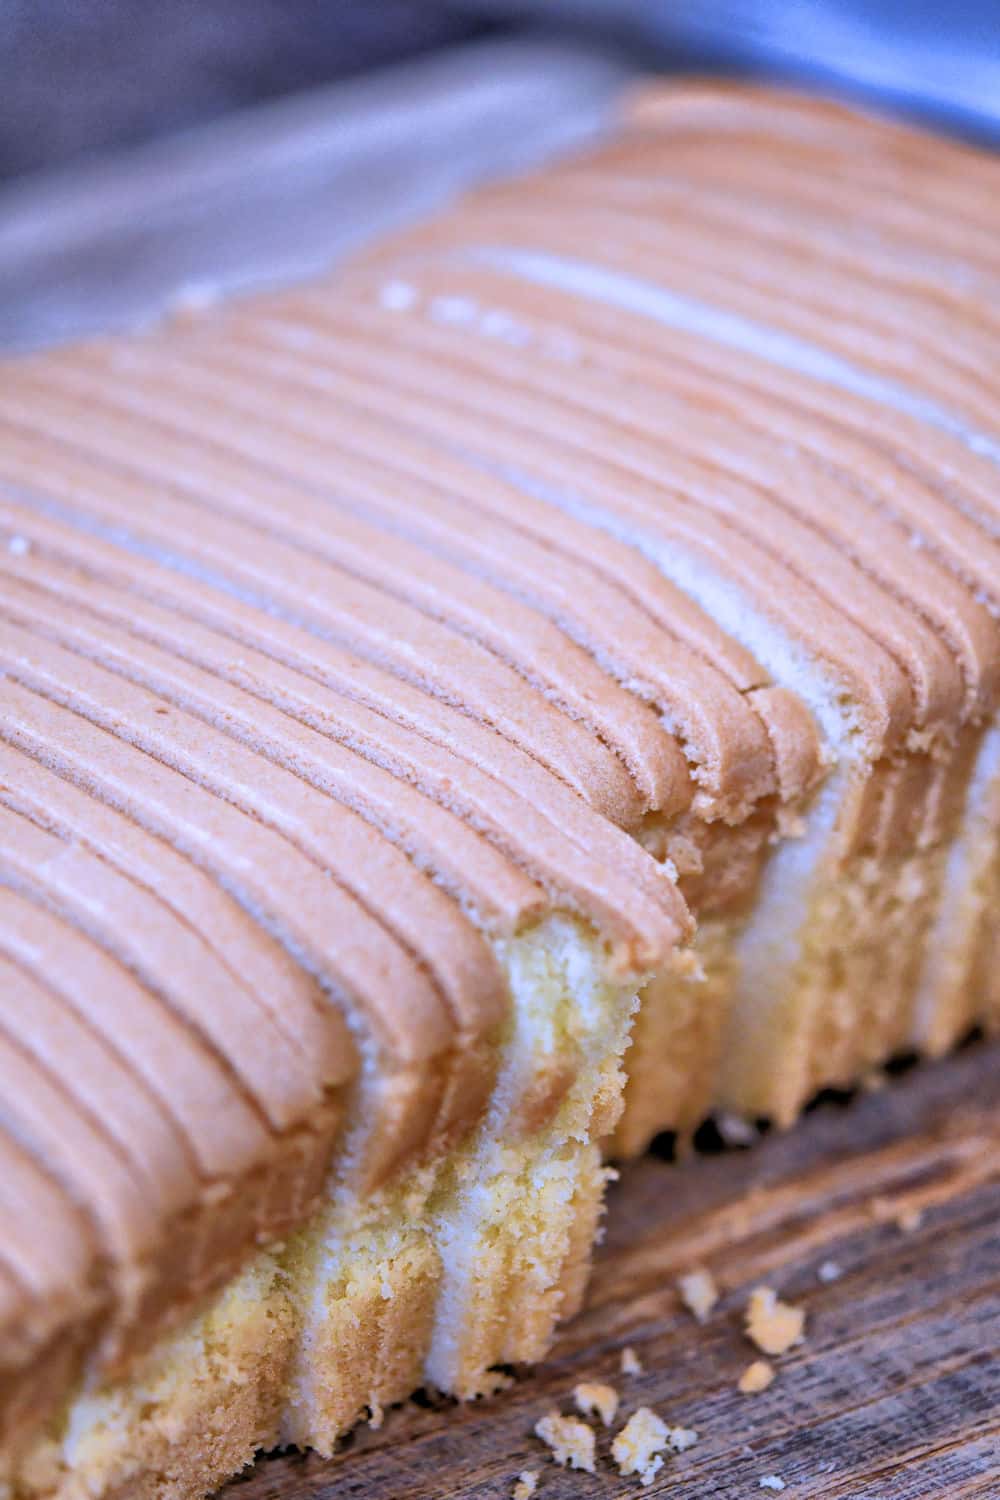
[680, 1439]
[906, 1218]
[756, 1377]
[771, 1482]
[639, 1446]
[596, 1400]
[909, 1219]
[631, 1363]
[571, 1441]
[699, 1293]
[774, 1326]
[527, 1484]
[829, 1271]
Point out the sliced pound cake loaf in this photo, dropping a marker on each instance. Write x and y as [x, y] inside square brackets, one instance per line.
[390, 669]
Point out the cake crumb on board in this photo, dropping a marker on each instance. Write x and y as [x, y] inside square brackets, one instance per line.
[756, 1377]
[909, 1219]
[680, 1439]
[631, 1363]
[906, 1217]
[571, 1441]
[774, 1326]
[772, 1482]
[698, 1292]
[594, 1399]
[639, 1447]
[829, 1271]
[527, 1484]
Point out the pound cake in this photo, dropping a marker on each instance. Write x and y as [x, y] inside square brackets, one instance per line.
[570, 627]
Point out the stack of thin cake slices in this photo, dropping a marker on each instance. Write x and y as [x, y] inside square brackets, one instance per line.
[574, 622]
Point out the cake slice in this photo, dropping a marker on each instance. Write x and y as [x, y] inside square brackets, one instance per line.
[390, 669]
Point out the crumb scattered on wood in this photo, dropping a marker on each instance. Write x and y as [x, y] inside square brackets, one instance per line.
[680, 1439]
[699, 1292]
[774, 1326]
[631, 1363]
[772, 1482]
[829, 1271]
[909, 1219]
[571, 1441]
[639, 1446]
[596, 1400]
[906, 1218]
[756, 1377]
[527, 1484]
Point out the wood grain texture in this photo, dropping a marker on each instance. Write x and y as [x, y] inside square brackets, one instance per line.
[895, 1394]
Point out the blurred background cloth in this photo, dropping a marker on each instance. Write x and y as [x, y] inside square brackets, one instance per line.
[80, 75]
[156, 151]
[936, 59]
[281, 189]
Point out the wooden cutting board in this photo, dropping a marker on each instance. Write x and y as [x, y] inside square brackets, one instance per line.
[895, 1393]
